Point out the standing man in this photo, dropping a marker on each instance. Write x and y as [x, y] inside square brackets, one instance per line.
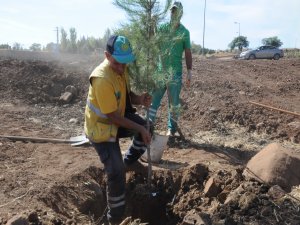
[176, 40]
[109, 116]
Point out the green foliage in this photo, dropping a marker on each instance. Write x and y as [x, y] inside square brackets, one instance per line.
[196, 49]
[35, 47]
[84, 45]
[63, 40]
[5, 46]
[51, 47]
[292, 53]
[17, 46]
[68, 43]
[144, 17]
[209, 51]
[106, 36]
[72, 47]
[239, 42]
[273, 41]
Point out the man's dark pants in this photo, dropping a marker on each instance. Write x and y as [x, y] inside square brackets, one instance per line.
[114, 166]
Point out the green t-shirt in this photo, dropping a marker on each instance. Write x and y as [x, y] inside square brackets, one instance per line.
[174, 42]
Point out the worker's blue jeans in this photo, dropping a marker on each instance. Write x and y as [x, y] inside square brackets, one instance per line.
[173, 89]
[114, 166]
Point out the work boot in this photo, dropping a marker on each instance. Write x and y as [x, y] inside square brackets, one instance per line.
[137, 167]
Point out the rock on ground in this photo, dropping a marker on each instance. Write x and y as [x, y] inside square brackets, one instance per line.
[275, 165]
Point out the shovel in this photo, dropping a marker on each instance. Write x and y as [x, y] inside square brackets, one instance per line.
[79, 140]
[74, 141]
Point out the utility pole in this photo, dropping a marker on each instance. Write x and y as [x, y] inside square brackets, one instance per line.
[203, 27]
[57, 36]
[56, 48]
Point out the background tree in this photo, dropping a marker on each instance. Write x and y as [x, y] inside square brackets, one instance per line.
[51, 47]
[106, 36]
[273, 41]
[35, 47]
[63, 40]
[72, 47]
[94, 43]
[82, 46]
[5, 46]
[196, 49]
[239, 42]
[17, 46]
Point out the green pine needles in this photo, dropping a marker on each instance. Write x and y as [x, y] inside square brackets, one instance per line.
[144, 18]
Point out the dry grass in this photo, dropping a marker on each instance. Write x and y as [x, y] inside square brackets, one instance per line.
[296, 192]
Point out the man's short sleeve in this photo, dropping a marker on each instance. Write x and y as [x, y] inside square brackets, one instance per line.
[105, 95]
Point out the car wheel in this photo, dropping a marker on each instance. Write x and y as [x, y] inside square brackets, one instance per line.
[252, 56]
[276, 57]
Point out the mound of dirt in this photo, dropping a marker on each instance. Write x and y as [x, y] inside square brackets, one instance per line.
[35, 82]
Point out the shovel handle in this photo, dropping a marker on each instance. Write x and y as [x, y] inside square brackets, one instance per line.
[36, 139]
[277, 109]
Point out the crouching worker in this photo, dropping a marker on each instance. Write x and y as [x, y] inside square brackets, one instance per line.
[110, 116]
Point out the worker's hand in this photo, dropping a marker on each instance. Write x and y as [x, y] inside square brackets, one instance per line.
[145, 100]
[146, 136]
[188, 78]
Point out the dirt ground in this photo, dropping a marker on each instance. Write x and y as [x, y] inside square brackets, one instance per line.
[55, 183]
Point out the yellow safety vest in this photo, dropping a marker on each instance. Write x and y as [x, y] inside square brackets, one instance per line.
[98, 128]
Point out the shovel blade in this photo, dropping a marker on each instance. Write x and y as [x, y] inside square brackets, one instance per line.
[78, 138]
[79, 143]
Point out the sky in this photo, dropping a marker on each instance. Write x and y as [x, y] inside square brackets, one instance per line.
[35, 21]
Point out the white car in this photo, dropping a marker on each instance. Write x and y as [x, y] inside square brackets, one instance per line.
[263, 52]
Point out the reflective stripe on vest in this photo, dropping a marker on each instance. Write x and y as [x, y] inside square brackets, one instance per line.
[102, 117]
[96, 110]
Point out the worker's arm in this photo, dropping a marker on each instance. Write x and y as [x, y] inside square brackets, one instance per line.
[189, 61]
[118, 120]
[143, 99]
